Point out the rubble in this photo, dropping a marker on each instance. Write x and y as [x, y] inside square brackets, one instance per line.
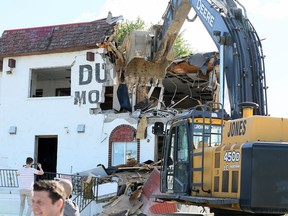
[126, 189]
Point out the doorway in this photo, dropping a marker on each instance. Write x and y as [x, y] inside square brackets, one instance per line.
[159, 148]
[46, 152]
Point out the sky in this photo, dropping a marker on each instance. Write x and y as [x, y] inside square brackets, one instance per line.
[269, 18]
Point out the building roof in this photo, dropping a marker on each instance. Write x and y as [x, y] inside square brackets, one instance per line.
[52, 39]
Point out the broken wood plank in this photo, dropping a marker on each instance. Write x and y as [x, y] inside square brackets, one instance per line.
[123, 203]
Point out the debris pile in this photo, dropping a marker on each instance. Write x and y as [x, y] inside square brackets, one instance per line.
[135, 184]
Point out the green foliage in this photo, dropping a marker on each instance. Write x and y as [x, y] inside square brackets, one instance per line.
[126, 27]
[181, 47]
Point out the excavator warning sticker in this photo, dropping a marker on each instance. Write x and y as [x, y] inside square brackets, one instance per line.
[232, 156]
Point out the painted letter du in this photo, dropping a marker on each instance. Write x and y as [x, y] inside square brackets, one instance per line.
[89, 79]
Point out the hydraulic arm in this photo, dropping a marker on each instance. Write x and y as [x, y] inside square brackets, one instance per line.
[241, 67]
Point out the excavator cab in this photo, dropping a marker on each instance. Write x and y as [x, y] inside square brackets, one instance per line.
[232, 166]
[174, 174]
[188, 135]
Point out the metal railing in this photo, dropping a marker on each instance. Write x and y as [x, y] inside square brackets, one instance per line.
[8, 178]
[84, 192]
[86, 196]
[75, 179]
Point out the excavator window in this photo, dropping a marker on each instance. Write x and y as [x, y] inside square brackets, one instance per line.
[206, 134]
[177, 159]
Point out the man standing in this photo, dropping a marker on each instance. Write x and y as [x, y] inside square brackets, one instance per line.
[48, 198]
[26, 180]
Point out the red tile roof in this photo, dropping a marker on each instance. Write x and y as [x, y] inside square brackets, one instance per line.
[52, 39]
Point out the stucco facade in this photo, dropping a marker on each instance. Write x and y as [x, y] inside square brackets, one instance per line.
[79, 129]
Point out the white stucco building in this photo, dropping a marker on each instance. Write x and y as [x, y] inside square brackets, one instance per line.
[61, 102]
[58, 98]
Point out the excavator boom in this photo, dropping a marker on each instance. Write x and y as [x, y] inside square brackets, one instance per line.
[230, 163]
[242, 61]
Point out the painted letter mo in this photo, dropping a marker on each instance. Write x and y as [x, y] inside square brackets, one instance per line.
[92, 97]
[86, 74]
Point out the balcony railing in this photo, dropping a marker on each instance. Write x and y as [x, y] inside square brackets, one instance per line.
[83, 192]
[8, 178]
[75, 179]
[86, 196]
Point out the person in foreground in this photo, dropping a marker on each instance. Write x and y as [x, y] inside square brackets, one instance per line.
[70, 209]
[26, 176]
[48, 198]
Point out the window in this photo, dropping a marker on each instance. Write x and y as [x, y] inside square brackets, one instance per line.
[171, 160]
[123, 151]
[123, 143]
[177, 160]
[63, 92]
[211, 138]
[39, 93]
[50, 82]
[108, 103]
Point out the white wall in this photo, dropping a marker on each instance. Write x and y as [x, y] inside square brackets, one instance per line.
[55, 116]
[0, 85]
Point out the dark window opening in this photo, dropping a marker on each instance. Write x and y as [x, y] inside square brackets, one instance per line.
[63, 92]
[50, 82]
[108, 103]
[159, 152]
[39, 93]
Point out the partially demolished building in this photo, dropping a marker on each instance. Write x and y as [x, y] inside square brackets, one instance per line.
[72, 100]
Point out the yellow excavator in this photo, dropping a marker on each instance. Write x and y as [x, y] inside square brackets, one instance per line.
[227, 154]
[232, 160]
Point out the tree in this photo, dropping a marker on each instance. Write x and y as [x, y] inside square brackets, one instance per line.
[126, 27]
[181, 47]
